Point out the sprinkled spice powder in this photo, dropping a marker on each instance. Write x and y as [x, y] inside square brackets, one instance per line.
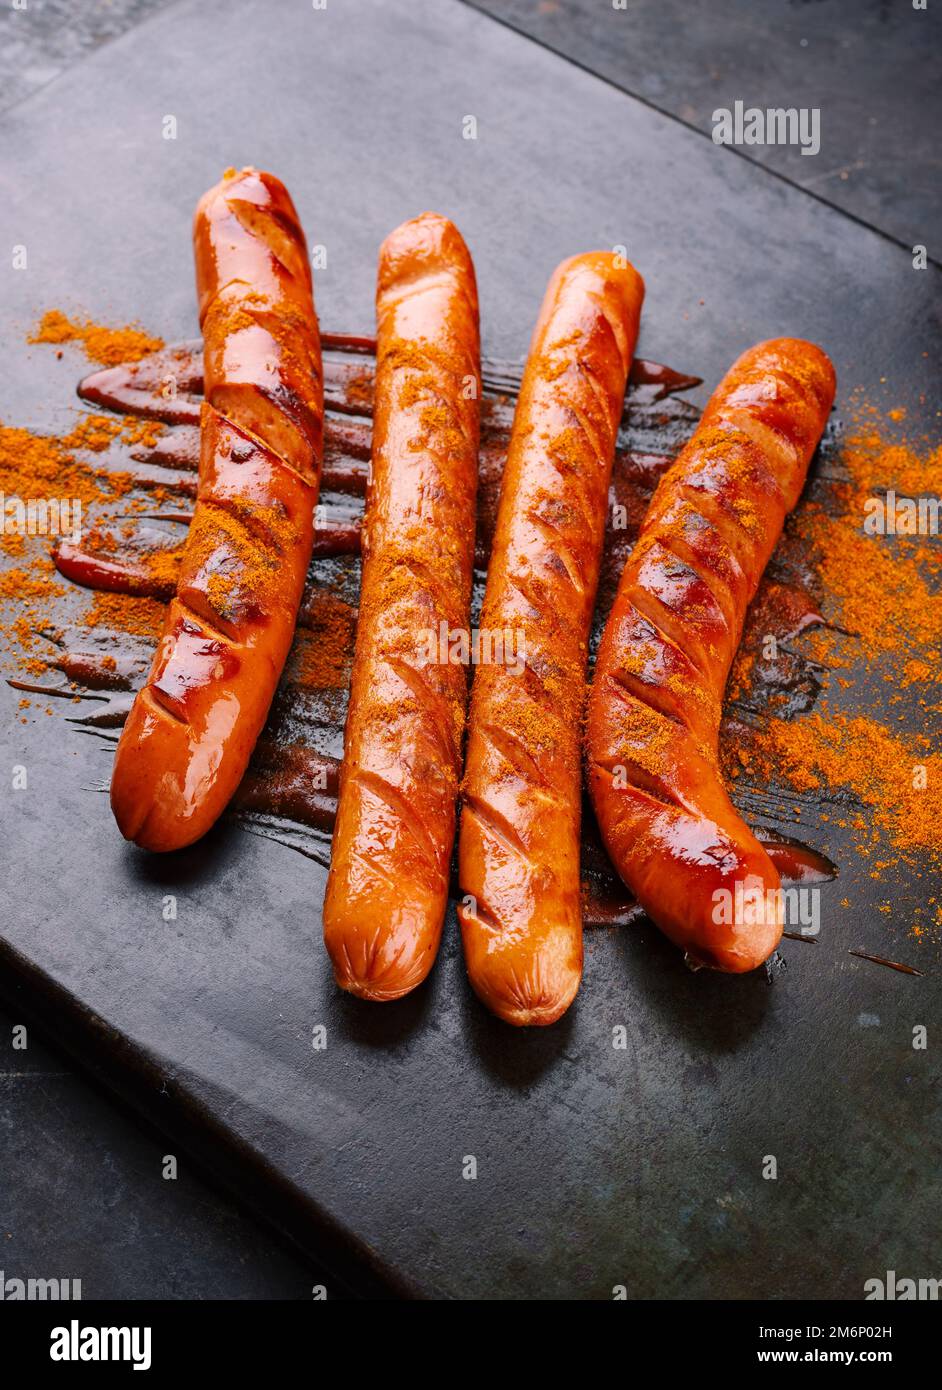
[321, 657]
[882, 600]
[109, 346]
[163, 566]
[884, 588]
[36, 467]
[141, 617]
[897, 777]
[22, 584]
[43, 467]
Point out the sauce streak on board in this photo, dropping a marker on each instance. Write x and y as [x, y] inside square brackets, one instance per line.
[890, 964]
[290, 790]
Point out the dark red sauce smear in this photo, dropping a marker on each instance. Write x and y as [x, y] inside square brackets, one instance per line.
[289, 793]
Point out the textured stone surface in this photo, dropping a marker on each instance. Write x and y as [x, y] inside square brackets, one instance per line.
[39, 39]
[83, 1196]
[871, 69]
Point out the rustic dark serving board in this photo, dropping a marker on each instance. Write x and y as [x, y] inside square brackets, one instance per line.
[596, 1167]
[869, 68]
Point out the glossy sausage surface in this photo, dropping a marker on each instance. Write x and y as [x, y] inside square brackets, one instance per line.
[656, 700]
[520, 907]
[388, 886]
[192, 728]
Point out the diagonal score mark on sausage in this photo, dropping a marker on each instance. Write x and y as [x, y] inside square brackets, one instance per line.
[743, 470]
[433, 715]
[246, 555]
[494, 826]
[396, 807]
[511, 747]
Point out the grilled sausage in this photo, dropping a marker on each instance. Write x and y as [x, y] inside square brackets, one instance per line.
[519, 845]
[192, 728]
[656, 699]
[388, 886]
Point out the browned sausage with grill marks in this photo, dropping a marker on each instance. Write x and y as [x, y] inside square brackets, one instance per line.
[656, 699]
[388, 885]
[192, 728]
[520, 913]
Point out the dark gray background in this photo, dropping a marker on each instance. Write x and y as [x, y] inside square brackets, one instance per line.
[363, 127]
[870, 66]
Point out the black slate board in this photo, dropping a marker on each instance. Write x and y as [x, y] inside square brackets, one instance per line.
[84, 1196]
[870, 69]
[596, 1167]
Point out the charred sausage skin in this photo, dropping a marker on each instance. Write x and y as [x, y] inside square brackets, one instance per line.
[192, 728]
[520, 909]
[387, 891]
[656, 699]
